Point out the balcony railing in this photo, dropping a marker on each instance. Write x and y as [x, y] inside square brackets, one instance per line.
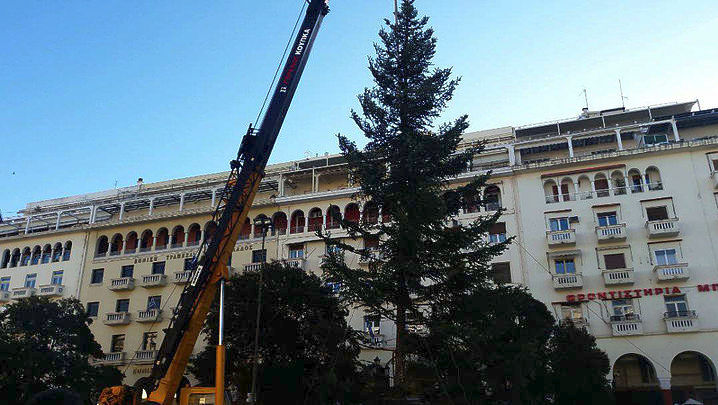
[626, 325]
[113, 358]
[122, 283]
[663, 227]
[561, 281]
[373, 339]
[296, 263]
[611, 232]
[117, 318]
[150, 315]
[676, 271]
[154, 280]
[51, 290]
[563, 237]
[145, 356]
[618, 276]
[181, 277]
[603, 192]
[253, 266]
[23, 292]
[681, 321]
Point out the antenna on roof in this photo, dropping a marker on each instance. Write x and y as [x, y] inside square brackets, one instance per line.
[585, 97]
[623, 98]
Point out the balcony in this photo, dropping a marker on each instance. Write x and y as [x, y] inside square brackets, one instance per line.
[113, 358]
[145, 356]
[676, 271]
[154, 280]
[663, 227]
[24, 292]
[117, 318]
[681, 321]
[298, 263]
[122, 283]
[579, 322]
[4, 296]
[561, 281]
[559, 238]
[150, 315]
[181, 277]
[626, 325]
[611, 233]
[373, 339]
[51, 290]
[618, 276]
[253, 266]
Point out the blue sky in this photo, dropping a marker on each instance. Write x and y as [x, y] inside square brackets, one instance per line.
[97, 94]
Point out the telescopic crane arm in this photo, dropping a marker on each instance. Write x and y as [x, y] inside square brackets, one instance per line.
[210, 264]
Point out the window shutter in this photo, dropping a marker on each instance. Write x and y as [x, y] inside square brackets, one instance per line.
[499, 227]
[615, 261]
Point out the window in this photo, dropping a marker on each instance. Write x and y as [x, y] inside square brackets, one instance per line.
[676, 305]
[336, 249]
[372, 324]
[56, 277]
[30, 280]
[623, 310]
[654, 139]
[5, 284]
[714, 163]
[158, 268]
[497, 233]
[637, 183]
[127, 271]
[607, 218]
[665, 256]
[501, 272]
[118, 343]
[188, 263]
[334, 287]
[296, 251]
[558, 224]
[93, 308]
[371, 242]
[259, 256]
[97, 276]
[615, 261]
[149, 341]
[564, 266]
[122, 305]
[657, 213]
[154, 302]
[572, 312]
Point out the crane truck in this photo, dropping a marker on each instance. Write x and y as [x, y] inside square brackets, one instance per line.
[210, 264]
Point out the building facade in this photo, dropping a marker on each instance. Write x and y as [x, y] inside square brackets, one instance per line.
[614, 214]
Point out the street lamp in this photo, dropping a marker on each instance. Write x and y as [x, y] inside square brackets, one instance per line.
[264, 224]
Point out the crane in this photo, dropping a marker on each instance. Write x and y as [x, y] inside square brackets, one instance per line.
[210, 265]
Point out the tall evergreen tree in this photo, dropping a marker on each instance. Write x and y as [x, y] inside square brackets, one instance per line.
[407, 168]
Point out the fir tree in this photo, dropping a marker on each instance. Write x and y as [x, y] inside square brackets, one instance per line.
[409, 168]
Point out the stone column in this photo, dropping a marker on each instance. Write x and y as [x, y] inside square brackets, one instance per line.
[27, 227]
[124, 246]
[618, 139]
[665, 384]
[152, 202]
[214, 197]
[154, 242]
[593, 188]
[186, 238]
[560, 192]
[512, 154]
[57, 223]
[675, 130]
[569, 140]
[181, 205]
[122, 210]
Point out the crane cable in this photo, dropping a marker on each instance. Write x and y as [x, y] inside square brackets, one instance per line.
[279, 65]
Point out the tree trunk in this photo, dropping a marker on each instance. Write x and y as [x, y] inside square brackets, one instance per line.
[400, 351]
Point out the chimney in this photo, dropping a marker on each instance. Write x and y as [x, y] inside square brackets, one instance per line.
[139, 182]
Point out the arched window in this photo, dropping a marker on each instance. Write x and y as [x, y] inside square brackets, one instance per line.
[46, 254]
[618, 183]
[492, 198]
[5, 261]
[334, 216]
[635, 181]
[351, 213]
[178, 236]
[297, 223]
[633, 371]
[280, 222]
[102, 246]
[67, 251]
[194, 235]
[146, 241]
[600, 182]
[163, 238]
[371, 213]
[315, 220]
[210, 228]
[567, 189]
[653, 179]
[15, 258]
[131, 243]
[258, 229]
[57, 252]
[471, 204]
[550, 191]
[246, 230]
[25, 259]
[116, 245]
[36, 253]
[584, 188]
